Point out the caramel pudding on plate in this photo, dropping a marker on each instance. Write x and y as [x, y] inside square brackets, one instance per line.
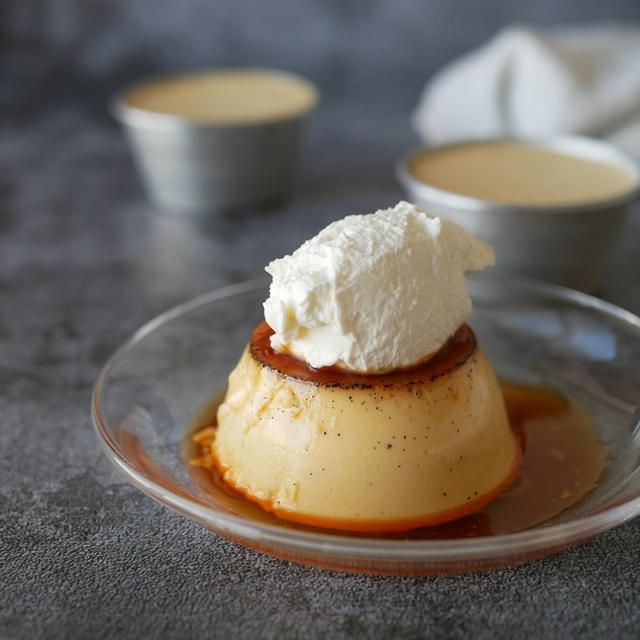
[386, 452]
[364, 402]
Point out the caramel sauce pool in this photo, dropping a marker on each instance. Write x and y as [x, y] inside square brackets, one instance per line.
[562, 461]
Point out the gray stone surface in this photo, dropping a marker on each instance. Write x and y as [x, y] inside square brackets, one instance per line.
[84, 260]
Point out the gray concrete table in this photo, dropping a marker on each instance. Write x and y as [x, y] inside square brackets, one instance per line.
[85, 260]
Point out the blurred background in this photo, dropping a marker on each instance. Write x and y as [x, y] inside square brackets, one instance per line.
[373, 54]
[64, 160]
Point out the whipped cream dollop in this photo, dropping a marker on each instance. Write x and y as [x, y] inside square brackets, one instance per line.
[372, 293]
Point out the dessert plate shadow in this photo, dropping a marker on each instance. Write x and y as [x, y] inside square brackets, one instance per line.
[147, 395]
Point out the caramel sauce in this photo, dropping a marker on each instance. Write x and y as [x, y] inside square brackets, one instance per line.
[562, 461]
[454, 354]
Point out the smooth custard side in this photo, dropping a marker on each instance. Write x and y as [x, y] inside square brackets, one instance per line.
[375, 458]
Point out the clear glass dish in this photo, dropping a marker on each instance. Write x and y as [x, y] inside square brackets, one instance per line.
[148, 392]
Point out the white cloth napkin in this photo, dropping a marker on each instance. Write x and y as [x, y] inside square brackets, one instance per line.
[537, 83]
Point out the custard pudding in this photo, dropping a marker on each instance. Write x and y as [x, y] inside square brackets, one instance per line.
[363, 402]
[520, 173]
[384, 452]
[224, 97]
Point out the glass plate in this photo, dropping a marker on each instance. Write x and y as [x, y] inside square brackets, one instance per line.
[148, 392]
